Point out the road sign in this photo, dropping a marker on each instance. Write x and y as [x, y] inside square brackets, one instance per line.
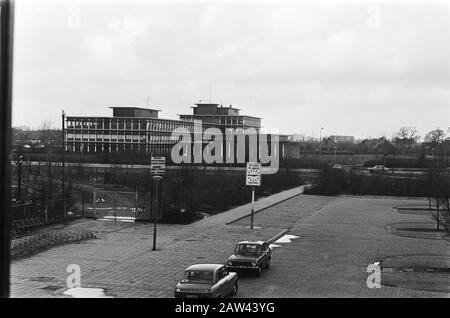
[253, 174]
[158, 166]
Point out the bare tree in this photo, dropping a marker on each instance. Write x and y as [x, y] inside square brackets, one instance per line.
[406, 138]
[439, 180]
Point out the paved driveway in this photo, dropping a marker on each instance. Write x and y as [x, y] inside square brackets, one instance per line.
[339, 237]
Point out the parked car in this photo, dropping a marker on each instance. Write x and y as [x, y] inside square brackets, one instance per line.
[250, 256]
[337, 166]
[207, 281]
[379, 168]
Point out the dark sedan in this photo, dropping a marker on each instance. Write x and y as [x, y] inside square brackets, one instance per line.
[250, 256]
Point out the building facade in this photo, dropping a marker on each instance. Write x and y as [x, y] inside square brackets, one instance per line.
[342, 139]
[141, 130]
[225, 117]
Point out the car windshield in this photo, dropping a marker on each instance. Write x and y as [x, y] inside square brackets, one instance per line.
[202, 277]
[248, 250]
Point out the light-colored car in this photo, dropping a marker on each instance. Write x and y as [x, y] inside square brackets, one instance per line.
[337, 166]
[379, 168]
[207, 281]
[250, 256]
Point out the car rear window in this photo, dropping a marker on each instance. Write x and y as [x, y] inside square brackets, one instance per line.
[248, 249]
[197, 276]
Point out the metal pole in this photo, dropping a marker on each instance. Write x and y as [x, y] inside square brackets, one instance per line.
[115, 206]
[63, 116]
[93, 203]
[253, 212]
[19, 181]
[135, 204]
[6, 56]
[46, 212]
[438, 214]
[156, 180]
[65, 207]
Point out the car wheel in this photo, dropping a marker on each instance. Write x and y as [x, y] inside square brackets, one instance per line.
[235, 289]
[268, 264]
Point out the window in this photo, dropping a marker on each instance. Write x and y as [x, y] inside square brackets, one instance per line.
[222, 273]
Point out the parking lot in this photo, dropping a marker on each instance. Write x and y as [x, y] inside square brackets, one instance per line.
[337, 238]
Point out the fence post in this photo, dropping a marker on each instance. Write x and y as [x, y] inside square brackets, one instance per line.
[82, 202]
[65, 207]
[135, 205]
[93, 202]
[46, 211]
[115, 205]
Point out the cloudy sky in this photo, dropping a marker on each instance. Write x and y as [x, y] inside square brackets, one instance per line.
[354, 68]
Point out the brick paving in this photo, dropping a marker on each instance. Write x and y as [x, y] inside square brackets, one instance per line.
[339, 237]
[121, 260]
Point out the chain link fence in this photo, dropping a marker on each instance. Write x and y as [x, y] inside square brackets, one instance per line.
[119, 205]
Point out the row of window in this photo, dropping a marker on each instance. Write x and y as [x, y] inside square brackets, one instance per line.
[131, 124]
[98, 147]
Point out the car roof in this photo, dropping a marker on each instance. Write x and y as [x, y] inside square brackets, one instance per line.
[252, 242]
[204, 267]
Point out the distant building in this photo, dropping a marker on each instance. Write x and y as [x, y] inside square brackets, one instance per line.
[342, 139]
[140, 129]
[216, 114]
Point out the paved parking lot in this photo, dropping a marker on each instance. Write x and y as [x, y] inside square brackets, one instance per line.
[338, 238]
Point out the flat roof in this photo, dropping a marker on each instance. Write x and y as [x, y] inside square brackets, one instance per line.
[214, 115]
[132, 107]
[216, 105]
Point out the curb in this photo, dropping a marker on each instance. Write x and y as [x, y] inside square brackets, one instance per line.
[415, 209]
[276, 237]
[262, 209]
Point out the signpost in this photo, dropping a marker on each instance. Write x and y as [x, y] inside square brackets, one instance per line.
[157, 170]
[253, 179]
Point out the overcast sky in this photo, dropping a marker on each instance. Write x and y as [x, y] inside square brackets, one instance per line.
[362, 69]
